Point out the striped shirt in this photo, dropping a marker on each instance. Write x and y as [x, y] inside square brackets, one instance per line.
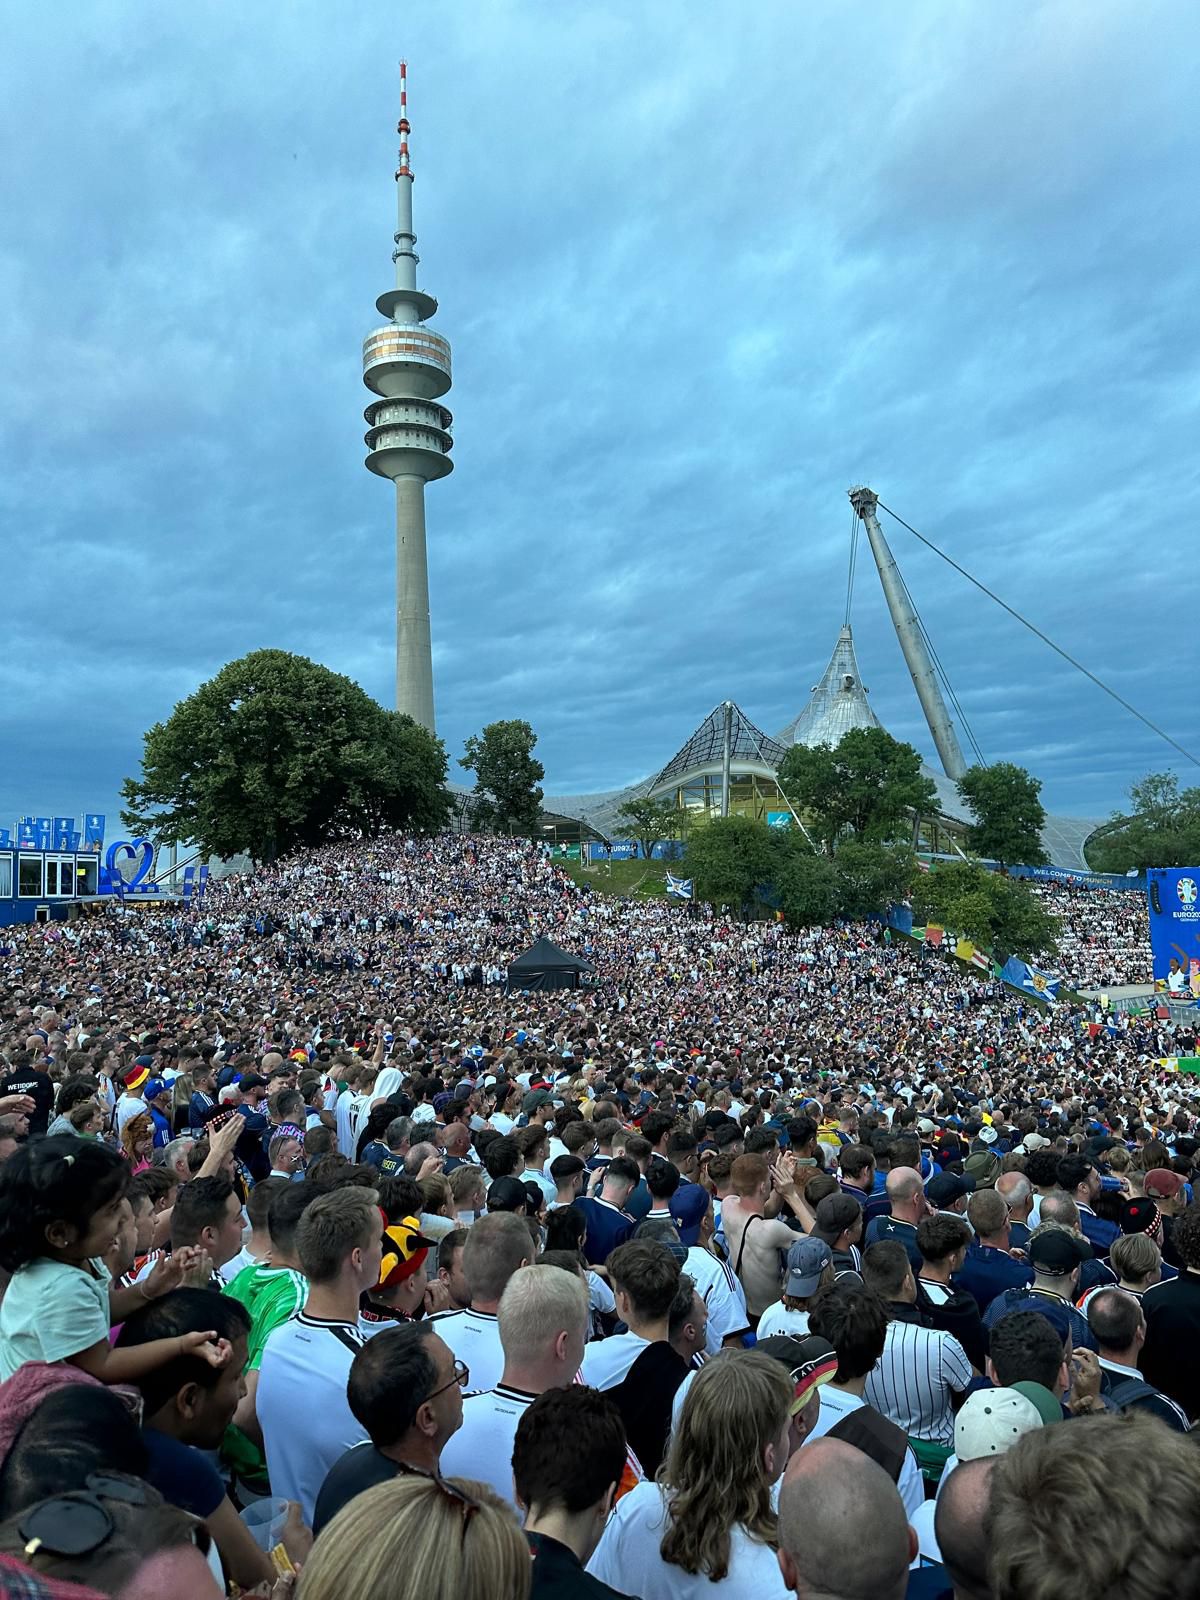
[721, 1293]
[913, 1380]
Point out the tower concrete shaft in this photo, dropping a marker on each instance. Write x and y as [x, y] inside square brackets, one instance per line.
[408, 434]
[912, 642]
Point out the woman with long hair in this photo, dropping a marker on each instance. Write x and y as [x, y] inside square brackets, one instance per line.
[439, 1538]
[707, 1523]
[137, 1141]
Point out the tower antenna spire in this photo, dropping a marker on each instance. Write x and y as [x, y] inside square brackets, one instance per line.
[403, 128]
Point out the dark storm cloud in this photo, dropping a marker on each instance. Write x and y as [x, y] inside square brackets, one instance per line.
[701, 272]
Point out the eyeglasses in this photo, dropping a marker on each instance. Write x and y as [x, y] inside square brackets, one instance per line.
[466, 1503]
[462, 1376]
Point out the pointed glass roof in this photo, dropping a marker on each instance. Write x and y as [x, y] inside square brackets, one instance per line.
[837, 704]
[706, 746]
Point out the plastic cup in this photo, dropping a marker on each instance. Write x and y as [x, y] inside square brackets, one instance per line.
[265, 1519]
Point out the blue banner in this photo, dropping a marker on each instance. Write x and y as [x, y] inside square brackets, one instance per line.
[42, 836]
[64, 827]
[1085, 880]
[93, 827]
[5, 839]
[679, 888]
[26, 834]
[1174, 897]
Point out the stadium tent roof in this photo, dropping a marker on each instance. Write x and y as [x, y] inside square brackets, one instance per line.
[837, 703]
[705, 748]
[545, 966]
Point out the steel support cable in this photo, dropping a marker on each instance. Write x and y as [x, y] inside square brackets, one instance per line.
[854, 527]
[1037, 632]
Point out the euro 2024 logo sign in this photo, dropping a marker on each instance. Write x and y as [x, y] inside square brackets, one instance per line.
[1186, 890]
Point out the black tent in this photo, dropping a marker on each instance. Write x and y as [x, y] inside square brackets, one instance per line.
[545, 966]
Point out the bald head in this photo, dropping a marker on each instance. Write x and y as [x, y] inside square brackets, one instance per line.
[906, 1192]
[1060, 1208]
[831, 1491]
[961, 1527]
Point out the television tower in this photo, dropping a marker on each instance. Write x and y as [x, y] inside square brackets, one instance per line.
[408, 434]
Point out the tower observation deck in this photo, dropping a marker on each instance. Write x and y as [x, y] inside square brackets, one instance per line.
[408, 434]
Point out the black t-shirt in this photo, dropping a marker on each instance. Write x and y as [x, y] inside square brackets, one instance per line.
[1168, 1358]
[361, 1468]
[37, 1084]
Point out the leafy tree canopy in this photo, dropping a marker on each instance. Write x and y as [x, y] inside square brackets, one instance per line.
[277, 752]
[869, 785]
[507, 777]
[997, 912]
[651, 821]
[730, 858]
[1162, 829]
[1009, 815]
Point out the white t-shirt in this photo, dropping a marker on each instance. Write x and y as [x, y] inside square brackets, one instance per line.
[721, 1293]
[301, 1402]
[482, 1448]
[606, 1362]
[474, 1337]
[629, 1556]
[128, 1107]
[838, 1403]
[778, 1319]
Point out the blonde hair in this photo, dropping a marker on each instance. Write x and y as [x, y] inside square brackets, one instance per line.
[737, 1405]
[436, 1194]
[1135, 1255]
[412, 1536]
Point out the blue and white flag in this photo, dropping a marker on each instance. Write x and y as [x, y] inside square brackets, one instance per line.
[63, 829]
[1040, 984]
[5, 839]
[93, 827]
[26, 834]
[679, 888]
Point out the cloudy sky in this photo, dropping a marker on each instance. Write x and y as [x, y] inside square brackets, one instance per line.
[702, 267]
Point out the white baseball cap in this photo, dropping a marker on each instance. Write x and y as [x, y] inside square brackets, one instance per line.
[991, 1421]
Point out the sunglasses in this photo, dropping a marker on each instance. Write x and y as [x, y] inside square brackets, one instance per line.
[76, 1524]
[466, 1503]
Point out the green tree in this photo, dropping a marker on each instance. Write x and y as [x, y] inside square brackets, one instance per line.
[277, 752]
[996, 912]
[651, 821]
[729, 858]
[872, 877]
[870, 785]
[1009, 816]
[507, 777]
[1162, 829]
[807, 884]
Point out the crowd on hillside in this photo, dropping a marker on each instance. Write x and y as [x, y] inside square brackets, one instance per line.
[1105, 937]
[761, 1264]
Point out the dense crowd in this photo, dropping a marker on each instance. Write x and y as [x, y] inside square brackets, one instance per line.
[1105, 937]
[760, 1264]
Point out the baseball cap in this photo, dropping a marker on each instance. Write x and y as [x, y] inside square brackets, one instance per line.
[944, 1188]
[143, 1061]
[836, 1213]
[810, 1360]
[1044, 1403]
[991, 1421]
[404, 1249]
[1057, 1251]
[534, 1100]
[507, 1194]
[1163, 1184]
[251, 1080]
[984, 1167]
[1035, 1141]
[987, 1134]
[154, 1088]
[689, 1206]
[1141, 1216]
[136, 1077]
[807, 1260]
[926, 1125]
